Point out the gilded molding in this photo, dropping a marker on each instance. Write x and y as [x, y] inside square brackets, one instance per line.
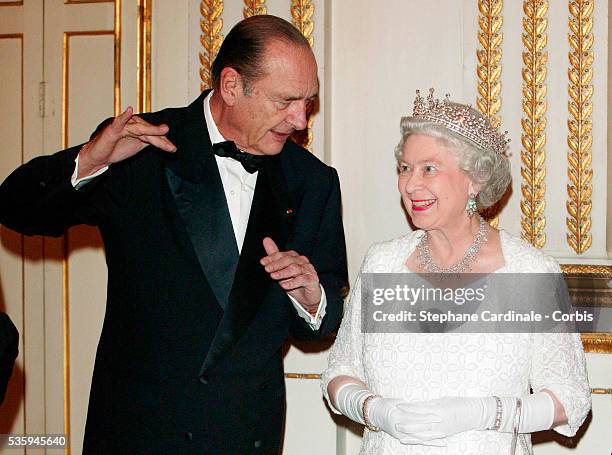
[301, 13]
[117, 50]
[211, 38]
[533, 139]
[582, 269]
[254, 8]
[580, 138]
[302, 376]
[597, 342]
[143, 50]
[601, 391]
[489, 56]
[592, 342]
[489, 69]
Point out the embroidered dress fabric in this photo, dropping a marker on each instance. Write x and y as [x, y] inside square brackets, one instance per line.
[426, 366]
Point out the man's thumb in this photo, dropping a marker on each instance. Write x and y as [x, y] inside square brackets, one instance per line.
[270, 246]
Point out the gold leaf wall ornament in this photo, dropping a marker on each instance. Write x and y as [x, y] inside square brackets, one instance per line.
[254, 8]
[143, 53]
[489, 70]
[533, 138]
[489, 58]
[301, 13]
[580, 126]
[211, 38]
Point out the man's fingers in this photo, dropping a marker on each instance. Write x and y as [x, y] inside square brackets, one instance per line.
[122, 119]
[161, 142]
[136, 129]
[300, 281]
[270, 246]
[279, 261]
[289, 271]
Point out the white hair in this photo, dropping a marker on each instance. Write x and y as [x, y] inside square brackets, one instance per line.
[484, 167]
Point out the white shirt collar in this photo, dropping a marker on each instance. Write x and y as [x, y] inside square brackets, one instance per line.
[213, 130]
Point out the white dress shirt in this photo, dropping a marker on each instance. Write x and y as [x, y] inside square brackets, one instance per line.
[239, 188]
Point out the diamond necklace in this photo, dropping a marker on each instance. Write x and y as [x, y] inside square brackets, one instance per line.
[464, 265]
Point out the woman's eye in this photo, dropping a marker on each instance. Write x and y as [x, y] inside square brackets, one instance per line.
[430, 168]
[403, 168]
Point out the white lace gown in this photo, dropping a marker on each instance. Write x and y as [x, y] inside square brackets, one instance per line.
[418, 367]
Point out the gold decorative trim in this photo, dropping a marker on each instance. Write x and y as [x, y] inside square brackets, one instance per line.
[254, 8]
[597, 342]
[20, 3]
[533, 138]
[302, 376]
[576, 269]
[601, 391]
[580, 138]
[301, 13]
[489, 70]
[117, 62]
[210, 39]
[81, 2]
[592, 342]
[143, 101]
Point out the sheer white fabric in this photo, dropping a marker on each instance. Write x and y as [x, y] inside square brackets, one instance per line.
[417, 367]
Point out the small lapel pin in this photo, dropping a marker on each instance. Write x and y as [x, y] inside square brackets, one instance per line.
[289, 211]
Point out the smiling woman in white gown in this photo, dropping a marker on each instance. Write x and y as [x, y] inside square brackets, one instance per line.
[454, 393]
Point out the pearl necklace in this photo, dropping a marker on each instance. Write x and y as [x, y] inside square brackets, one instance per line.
[464, 265]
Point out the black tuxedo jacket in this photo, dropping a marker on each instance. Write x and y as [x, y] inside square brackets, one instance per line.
[189, 360]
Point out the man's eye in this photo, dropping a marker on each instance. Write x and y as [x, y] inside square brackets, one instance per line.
[283, 104]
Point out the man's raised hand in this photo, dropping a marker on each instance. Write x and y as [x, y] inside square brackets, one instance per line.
[294, 273]
[125, 136]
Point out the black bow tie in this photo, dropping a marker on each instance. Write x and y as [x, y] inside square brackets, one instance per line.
[251, 163]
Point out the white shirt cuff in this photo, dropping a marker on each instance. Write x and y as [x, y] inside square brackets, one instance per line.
[79, 183]
[313, 321]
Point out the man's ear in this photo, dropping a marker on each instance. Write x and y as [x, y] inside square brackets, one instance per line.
[230, 85]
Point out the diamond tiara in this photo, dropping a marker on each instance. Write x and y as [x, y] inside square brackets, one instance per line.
[459, 119]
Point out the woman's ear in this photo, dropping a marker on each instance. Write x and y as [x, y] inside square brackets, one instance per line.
[474, 188]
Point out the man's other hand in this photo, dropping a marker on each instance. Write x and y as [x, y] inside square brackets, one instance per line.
[125, 136]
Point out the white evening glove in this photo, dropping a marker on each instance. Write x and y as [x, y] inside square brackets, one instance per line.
[436, 419]
[382, 412]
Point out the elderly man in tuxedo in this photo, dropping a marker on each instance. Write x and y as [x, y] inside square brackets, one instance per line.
[222, 237]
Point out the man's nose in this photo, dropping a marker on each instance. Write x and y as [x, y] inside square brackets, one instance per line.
[298, 114]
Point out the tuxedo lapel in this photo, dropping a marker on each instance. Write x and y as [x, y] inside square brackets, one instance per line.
[271, 216]
[193, 177]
